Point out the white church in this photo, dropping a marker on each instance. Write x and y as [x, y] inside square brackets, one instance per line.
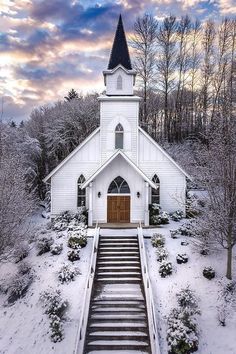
[119, 170]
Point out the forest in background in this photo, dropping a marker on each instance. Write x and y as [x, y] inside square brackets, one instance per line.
[187, 79]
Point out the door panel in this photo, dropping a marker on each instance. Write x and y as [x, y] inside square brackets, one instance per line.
[118, 209]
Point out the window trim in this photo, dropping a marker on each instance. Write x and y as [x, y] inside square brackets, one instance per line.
[119, 133]
[81, 193]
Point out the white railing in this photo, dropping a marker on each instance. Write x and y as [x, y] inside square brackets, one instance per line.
[153, 333]
[81, 332]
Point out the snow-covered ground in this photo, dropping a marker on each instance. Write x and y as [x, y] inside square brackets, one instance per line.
[24, 328]
[214, 339]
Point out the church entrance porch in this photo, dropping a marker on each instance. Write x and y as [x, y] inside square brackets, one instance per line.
[118, 209]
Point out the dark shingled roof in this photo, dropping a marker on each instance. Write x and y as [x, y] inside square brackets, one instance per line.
[120, 53]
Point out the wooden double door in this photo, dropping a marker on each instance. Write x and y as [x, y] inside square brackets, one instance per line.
[118, 208]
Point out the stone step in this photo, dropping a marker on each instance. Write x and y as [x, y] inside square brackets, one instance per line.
[118, 243]
[120, 309]
[118, 269]
[118, 303]
[117, 253]
[121, 325]
[117, 335]
[117, 317]
[118, 263]
[119, 280]
[117, 344]
[115, 237]
[119, 274]
[119, 248]
[117, 258]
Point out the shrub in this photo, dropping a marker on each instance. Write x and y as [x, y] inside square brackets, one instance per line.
[187, 229]
[174, 234]
[67, 273]
[226, 301]
[182, 332]
[209, 273]
[204, 251]
[162, 254]
[69, 220]
[56, 248]
[44, 244]
[24, 268]
[18, 287]
[177, 215]
[73, 255]
[157, 217]
[187, 299]
[76, 242]
[55, 307]
[165, 269]
[182, 258]
[158, 240]
[21, 251]
[192, 206]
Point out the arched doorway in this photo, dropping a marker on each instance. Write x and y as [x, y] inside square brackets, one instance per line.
[118, 201]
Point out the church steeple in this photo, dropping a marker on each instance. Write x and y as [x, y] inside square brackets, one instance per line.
[120, 52]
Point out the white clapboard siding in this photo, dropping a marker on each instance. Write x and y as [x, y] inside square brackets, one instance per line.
[64, 181]
[126, 83]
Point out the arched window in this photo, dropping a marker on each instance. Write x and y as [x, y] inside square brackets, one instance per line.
[81, 200]
[119, 186]
[119, 83]
[119, 137]
[155, 197]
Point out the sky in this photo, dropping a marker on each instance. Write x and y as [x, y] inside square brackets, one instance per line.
[48, 47]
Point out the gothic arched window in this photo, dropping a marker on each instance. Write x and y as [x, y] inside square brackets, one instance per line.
[119, 136]
[119, 83]
[81, 195]
[155, 197]
[119, 186]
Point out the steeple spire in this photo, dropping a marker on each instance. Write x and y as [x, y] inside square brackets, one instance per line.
[120, 53]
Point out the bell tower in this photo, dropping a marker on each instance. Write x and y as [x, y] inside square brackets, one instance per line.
[119, 107]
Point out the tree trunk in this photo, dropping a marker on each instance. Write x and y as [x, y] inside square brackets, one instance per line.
[229, 263]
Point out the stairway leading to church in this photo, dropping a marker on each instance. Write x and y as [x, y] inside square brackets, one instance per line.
[117, 319]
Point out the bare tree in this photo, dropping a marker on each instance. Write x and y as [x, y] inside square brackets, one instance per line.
[166, 64]
[144, 44]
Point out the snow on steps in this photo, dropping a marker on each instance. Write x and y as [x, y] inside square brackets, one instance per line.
[117, 319]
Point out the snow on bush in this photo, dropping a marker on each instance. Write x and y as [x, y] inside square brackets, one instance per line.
[67, 273]
[177, 215]
[68, 220]
[182, 258]
[56, 248]
[182, 332]
[162, 254]
[187, 229]
[74, 254]
[55, 307]
[158, 240]
[174, 234]
[24, 268]
[21, 251]
[18, 286]
[157, 216]
[44, 244]
[209, 273]
[192, 206]
[226, 300]
[165, 269]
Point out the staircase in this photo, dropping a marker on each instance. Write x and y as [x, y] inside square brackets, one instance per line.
[117, 320]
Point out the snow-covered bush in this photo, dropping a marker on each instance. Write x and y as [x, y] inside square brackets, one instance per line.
[162, 254]
[177, 215]
[209, 273]
[187, 229]
[68, 221]
[158, 240]
[43, 245]
[182, 332]
[67, 273]
[165, 269]
[21, 251]
[204, 251]
[174, 234]
[55, 307]
[192, 206]
[56, 248]
[18, 286]
[186, 298]
[157, 216]
[73, 255]
[24, 268]
[182, 258]
[226, 301]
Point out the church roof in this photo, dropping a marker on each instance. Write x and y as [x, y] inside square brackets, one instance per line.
[120, 53]
[127, 159]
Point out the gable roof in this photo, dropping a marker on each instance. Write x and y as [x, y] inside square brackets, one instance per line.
[71, 155]
[130, 162]
[164, 152]
[120, 52]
